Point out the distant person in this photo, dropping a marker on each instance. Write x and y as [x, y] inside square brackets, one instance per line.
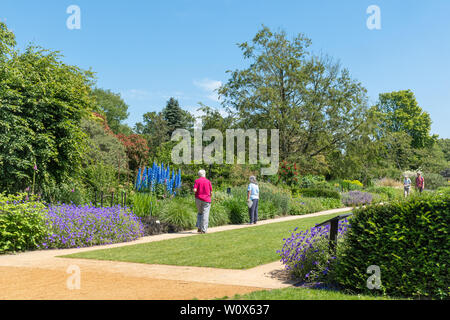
[420, 182]
[252, 200]
[203, 191]
[406, 185]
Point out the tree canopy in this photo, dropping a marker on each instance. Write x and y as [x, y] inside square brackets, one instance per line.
[314, 103]
[42, 103]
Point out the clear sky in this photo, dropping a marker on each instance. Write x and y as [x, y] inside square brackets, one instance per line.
[151, 50]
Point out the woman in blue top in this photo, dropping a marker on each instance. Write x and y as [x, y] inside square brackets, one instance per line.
[252, 200]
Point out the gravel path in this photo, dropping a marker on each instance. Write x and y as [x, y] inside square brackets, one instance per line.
[43, 275]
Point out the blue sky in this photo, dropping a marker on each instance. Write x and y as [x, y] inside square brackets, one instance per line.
[150, 51]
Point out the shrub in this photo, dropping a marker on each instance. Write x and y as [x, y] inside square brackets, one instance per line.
[74, 226]
[323, 193]
[22, 223]
[443, 190]
[408, 240]
[218, 215]
[389, 192]
[388, 182]
[300, 206]
[350, 185]
[306, 254]
[181, 212]
[278, 197]
[142, 204]
[356, 198]
[434, 181]
[237, 209]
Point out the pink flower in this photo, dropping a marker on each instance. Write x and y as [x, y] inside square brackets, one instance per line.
[73, 190]
[35, 167]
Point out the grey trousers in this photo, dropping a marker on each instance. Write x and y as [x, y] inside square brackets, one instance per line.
[253, 211]
[202, 214]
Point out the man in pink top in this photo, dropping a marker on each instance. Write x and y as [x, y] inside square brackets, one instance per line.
[202, 190]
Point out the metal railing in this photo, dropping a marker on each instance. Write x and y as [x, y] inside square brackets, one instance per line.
[334, 227]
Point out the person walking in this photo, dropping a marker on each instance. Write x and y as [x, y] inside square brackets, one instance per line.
[252, 200]
[203, 191]
[406, 185]
[420, 182]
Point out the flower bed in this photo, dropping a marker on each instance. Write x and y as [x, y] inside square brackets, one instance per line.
[306, 254]
[84, 226]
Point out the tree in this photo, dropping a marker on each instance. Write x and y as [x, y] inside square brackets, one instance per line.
[213, 119]
[104, 146]
[445, 147]
[43, 101]
[114, 108]
[136, 148]
[176, 117]
[312, 101]
[401, 113]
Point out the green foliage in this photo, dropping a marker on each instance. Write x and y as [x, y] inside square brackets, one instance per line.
[402, 113]
[324, 193]
[114, 108]
[143, 204]
[43, 102]
[408, 240]
[434, 181]
[218, 215]
[387, 193]
[67, 191]
[301, 206]
[311, 100]
[181, 212]
[176, 117]
[104, 146]
[22, 223]
[237, 209]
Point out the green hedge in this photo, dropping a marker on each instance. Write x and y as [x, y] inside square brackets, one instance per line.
[408, 240]
[22, 224]
[319, 193]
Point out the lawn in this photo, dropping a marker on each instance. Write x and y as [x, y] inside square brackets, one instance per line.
[236, 249]
[305, 294]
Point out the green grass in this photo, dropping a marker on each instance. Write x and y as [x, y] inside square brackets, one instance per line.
[305, 294]
[236, 249]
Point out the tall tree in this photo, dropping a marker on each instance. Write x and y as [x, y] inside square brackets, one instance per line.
[155, 130]
[401, 113]
[43, 101]
[176, 117]
[114, 108]
[312, 101]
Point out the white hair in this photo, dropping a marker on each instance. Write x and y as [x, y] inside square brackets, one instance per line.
[253, 180]
[202, 173]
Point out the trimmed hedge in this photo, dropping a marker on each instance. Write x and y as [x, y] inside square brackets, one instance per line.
[319, 193]
[408, 240]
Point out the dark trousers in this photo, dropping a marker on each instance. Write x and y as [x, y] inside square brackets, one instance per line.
[253, 211]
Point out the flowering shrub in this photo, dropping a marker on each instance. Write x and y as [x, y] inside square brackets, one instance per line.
[83, 226]
[306, 254]
[356, 198]
[288, 173]
[351, 185]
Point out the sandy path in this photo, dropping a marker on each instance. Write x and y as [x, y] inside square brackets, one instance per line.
[42, 275]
